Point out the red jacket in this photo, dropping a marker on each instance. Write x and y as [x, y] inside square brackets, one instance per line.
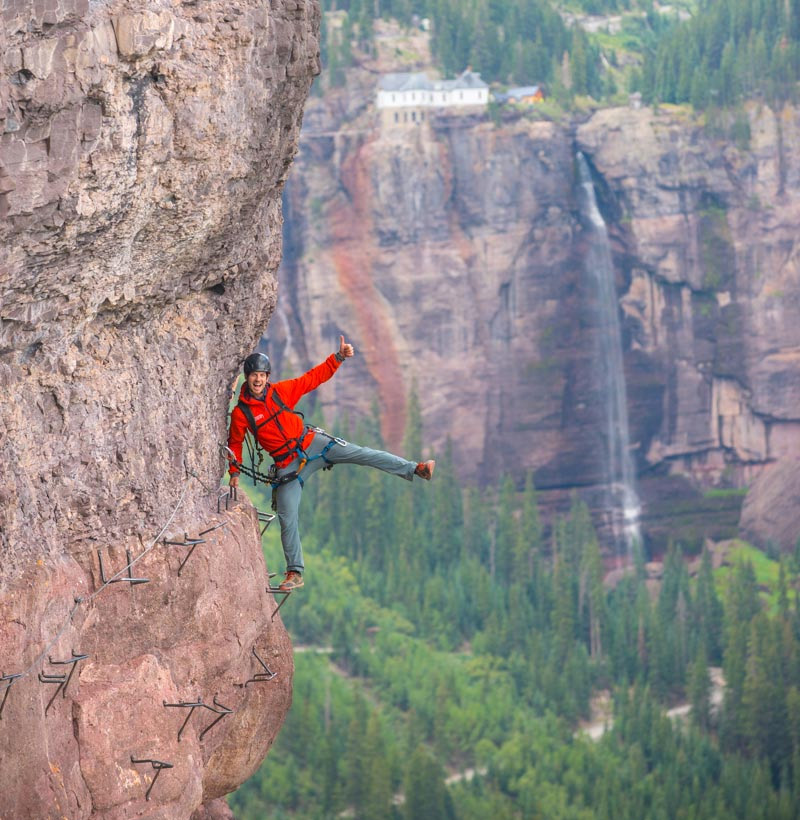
[285, 426]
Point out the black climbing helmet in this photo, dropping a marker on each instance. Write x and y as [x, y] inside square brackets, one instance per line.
[257, 362]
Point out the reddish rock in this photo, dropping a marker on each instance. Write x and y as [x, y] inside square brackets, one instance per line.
[454, 252]
[215, 810]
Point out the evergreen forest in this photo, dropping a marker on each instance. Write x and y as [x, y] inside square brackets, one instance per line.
[450, 653]
[709, 53]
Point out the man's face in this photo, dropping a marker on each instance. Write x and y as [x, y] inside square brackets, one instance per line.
[257, 382]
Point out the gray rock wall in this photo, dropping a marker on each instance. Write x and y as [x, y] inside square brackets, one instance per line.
[143, 150]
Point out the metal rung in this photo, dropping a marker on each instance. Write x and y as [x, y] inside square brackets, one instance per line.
[222, 711]
[277, 591]
[61, 680]
[185, 705]
[218, 708]
[158, 765]
[12, 679]
[187, 542]
[230, 494]
[266, 519]
[260, 677]
[74, 660]
[133, 581]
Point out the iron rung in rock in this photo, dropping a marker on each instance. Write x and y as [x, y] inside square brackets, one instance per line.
[260, 677]
[74, 661]
[278, 591]
[12, 679]
[157, 765]
[61, 680]
[218, 708]
[229, 495]
[133, 581]
[221, 711]
[266, 519]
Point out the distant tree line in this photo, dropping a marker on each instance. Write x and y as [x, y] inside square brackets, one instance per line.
[520, 42]
[731, 50]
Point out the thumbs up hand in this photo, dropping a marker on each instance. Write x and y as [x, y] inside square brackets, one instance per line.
[345, 350]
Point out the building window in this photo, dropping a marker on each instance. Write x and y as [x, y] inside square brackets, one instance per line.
[392, 97]
[414, 116]
[422, 116]
[396, 117]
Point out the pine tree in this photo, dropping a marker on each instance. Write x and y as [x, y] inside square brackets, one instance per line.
[378, 788]
[447, 510]
[579, 63]
[529, 535]
[425, 795]
[505, 532]
[708, 612]
[592, 582]
[700, 691]
[564, 584]
[355, 758]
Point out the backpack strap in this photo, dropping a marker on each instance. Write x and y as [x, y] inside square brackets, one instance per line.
[248, 414]
[290, 444]
[273, 394]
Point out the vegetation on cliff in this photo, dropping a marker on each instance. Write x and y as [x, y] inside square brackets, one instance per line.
[708, 54]
[442, 633]
[732, 50]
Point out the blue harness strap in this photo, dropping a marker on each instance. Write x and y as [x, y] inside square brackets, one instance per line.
[305, 458]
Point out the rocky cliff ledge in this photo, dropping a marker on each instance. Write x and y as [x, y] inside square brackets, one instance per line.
[453, 251]
[143, 152]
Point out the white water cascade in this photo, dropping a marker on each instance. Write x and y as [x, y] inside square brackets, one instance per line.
[622, 501]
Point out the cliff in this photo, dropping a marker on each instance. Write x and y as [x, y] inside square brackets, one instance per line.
[453, 253]
[143, 153]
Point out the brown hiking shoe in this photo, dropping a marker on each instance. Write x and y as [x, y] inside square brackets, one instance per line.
[425, 469]
[293, 580]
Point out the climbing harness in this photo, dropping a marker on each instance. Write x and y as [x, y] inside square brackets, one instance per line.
[272, 478]
[290, 449]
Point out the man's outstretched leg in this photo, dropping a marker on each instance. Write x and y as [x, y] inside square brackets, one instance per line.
[349, 453]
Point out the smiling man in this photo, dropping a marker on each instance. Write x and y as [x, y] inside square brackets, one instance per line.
[267, 411]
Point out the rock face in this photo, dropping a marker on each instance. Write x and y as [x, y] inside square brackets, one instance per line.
[143, 150]
[709, 248]
[769, 514]
[452, 252]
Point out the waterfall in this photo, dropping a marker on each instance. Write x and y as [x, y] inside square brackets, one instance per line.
[622, 501]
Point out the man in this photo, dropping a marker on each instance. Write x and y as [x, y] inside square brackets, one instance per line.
[267, 411]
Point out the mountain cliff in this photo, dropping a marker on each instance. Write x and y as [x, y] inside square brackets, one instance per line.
[143, 152]
[453, 253]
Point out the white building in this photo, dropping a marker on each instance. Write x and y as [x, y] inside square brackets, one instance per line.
[406, 97]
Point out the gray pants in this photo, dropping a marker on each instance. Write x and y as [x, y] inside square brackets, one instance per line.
[289, 494]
